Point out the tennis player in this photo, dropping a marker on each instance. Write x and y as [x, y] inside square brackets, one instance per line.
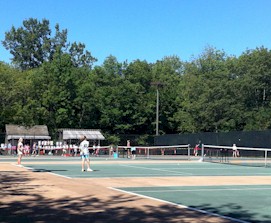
[235, 152]
[133, 151]
[84, 152]
[20, 148]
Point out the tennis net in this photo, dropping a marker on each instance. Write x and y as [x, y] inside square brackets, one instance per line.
[157, 152]
[258, 157]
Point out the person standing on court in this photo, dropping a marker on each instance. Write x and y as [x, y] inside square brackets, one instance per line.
[9, 147]
[196, 150]
[133, 151]
[34, 149]
[84, 152]
[128, 147]
[20, 148]
[235, 152]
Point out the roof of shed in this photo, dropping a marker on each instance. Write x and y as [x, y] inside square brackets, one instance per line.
[91, 134]
[34, 132]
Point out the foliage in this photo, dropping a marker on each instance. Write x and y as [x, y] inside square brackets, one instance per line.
[56, 85]
[33, 44]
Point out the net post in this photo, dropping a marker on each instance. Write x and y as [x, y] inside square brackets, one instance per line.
[265, 158]
[148, 153]
[202, 152]
[188, 151]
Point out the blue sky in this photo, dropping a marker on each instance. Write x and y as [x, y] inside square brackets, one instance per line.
[148, 29]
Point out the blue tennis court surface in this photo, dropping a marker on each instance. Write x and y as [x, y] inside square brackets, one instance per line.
[240, 203]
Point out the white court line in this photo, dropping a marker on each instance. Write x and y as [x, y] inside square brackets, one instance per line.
[157, 169]
[109, 176]
[59, 175]
[195, 174]
[200, 190]
[182, 206]
[210, 168]
[190, 175]
[142, 174]
[234, 174]
[13, 164]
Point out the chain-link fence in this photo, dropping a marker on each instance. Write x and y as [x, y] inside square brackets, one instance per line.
[259, 139]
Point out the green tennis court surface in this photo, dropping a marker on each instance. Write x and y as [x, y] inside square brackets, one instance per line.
[238, 203]
[149, 170]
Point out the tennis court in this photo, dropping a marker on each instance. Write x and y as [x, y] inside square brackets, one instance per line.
[124, 190]
[240, 203]
[106, 169]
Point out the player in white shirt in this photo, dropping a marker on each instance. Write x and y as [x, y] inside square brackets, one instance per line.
[235, 152]
[84, 152]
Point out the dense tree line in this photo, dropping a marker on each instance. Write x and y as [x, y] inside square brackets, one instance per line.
[55, 83]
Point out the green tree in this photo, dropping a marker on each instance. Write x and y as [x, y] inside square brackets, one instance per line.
[253, 70]
[30, 45]
[140, 101]
[15, 97]
[168, 72]
[54, 92]
[207, 100]
[110, 92]
[81, 57]
[33, 44]
[7, 92]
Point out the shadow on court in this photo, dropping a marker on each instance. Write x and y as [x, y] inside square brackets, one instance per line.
[19, 204]
[52, 171]
[48, 171]
[235, 211]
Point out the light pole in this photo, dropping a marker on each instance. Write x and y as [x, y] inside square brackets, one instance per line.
[157, 84]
